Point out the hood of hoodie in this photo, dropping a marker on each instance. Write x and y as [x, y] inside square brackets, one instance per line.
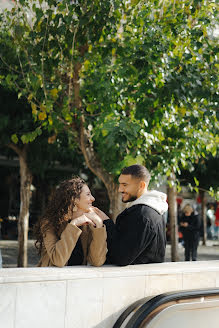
[153, 198]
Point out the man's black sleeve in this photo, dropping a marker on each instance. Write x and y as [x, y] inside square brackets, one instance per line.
[110, 228]
[133, 233]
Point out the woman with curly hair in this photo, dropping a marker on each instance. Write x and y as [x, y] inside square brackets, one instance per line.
[70, 232]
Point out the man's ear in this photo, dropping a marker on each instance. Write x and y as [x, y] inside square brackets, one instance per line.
[142, 184]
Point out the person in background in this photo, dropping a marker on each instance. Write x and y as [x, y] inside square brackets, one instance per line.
[0, 259]
[217, 222]
[70, 232]
[190, 228]
[139, 234]
[1, 220]
[211, 218]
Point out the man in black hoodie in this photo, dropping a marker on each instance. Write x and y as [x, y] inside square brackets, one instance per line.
[139, 232]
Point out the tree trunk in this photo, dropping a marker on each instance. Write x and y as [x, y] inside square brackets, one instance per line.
[171, 192]
[90, 156]
[203, 215]
[116, 204]
[23, 221]
[94, 164]
[25, 195]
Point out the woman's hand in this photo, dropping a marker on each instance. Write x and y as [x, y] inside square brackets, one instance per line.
[82, 220]
[184, 224]
[92, 215]
[100, 213]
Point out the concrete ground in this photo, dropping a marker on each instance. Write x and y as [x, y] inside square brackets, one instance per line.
[9, 252]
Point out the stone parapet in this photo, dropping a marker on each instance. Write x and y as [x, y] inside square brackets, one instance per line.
[89, 297]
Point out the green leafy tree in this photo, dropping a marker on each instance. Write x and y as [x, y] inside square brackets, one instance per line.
[130, 81]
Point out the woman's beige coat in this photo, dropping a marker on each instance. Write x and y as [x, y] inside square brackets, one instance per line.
[57, 251]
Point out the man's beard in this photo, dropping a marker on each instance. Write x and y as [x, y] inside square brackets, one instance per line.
[131, 199]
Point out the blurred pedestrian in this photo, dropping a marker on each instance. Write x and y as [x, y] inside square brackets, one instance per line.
[211, 218]
[1, 220]
[190, 228]
[217, 222]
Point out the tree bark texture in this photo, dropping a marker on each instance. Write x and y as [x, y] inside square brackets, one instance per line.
[23, 221]
[171, 193]
[25, 195]
[116, 204]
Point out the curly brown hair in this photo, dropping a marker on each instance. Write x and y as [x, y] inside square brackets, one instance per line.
[59, 209]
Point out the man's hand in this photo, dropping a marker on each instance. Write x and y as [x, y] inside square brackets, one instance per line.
[100, 213]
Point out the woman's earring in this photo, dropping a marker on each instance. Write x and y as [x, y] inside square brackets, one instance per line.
[75, 208]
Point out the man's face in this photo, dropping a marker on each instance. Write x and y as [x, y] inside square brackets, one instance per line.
[130, 187]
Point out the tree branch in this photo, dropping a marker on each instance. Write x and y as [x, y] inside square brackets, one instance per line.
[71, 67]
[91, 158]
[18, 151]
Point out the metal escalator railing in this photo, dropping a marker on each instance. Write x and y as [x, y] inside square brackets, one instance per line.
[142, 312]
[131, 309]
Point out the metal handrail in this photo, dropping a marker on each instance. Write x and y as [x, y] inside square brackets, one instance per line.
[130, 308]
[145, 306]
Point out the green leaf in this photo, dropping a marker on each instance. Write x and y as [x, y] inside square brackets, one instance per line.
[14, 138]
[104, 132]
[24, 139]
[196, 181]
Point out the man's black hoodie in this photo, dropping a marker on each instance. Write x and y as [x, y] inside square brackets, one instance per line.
[139, 233]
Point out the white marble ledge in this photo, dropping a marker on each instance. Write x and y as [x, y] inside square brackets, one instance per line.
[15, 275]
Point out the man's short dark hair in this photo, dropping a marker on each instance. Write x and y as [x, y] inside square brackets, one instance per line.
[138, 171]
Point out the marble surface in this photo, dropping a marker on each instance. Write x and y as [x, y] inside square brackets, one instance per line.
[89, 297]
[7, 305]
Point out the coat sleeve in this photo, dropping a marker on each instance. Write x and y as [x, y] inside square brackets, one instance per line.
[131, 237]
[59, 250]
[110, 227]
[98, 247]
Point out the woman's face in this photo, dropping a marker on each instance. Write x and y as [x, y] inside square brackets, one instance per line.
[188, 212]
[86, 199]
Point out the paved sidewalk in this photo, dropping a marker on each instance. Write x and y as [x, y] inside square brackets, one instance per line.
[9, 252]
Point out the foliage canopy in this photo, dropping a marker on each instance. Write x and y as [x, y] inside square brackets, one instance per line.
[140, 76]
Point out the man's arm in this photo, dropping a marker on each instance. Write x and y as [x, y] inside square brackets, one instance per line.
[133, 233]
